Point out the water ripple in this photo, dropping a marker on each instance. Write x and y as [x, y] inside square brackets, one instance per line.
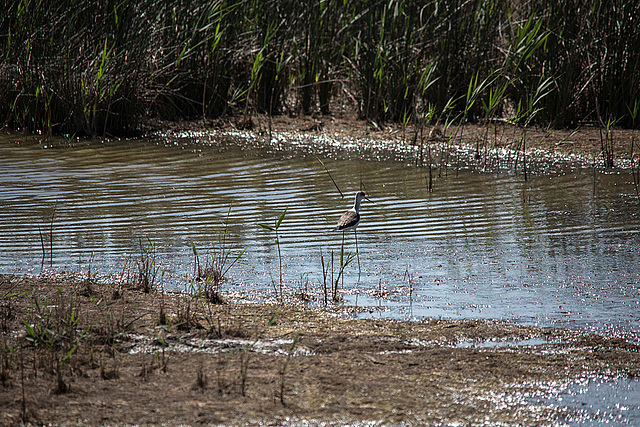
[479, 245]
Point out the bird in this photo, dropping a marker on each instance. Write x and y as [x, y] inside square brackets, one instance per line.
[351, 218]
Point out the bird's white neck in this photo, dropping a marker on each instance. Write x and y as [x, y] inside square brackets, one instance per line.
[356, 205]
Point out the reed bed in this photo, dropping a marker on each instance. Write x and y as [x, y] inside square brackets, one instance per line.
[103, 68]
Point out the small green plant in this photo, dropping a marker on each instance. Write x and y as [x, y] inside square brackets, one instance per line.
[7, 295]
[53, 215]
[221, 259]
[186, 316]
[147, 267]
[408, 278]
[62, 386]
[447, 118]
[526, 112]
[54, 328]
[474, 91]
[7, 354]
[606, 141]
[161, 336]
[406, 119]
[490, 107]
[345, 260]
[274, 229]
[326, 267]
[303, 294]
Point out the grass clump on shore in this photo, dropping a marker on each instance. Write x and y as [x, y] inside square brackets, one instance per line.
[103, 68]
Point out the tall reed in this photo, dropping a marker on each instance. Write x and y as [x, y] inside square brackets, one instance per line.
[104, 68]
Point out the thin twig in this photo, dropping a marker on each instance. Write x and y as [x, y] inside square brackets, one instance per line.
[332, 180]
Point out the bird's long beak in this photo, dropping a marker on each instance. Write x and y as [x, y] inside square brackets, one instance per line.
[368, 199]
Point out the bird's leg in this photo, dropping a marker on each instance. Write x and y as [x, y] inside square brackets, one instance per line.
[355, 232]
[342, 259]
[340, 275]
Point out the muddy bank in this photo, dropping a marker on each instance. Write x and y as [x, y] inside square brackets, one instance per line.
[586, 145]
[78, 352]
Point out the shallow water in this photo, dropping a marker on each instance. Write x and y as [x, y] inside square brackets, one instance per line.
[561, 249]
[596, 401]
[555, 250]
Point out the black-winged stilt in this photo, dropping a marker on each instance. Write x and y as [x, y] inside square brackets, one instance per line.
[351, 219]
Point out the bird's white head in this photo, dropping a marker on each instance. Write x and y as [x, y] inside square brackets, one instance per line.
[359, 196]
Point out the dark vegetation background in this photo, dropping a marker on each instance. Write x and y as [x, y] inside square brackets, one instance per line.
[99, 67]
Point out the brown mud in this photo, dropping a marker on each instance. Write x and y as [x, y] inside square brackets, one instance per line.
[110, 354]
[587, 142]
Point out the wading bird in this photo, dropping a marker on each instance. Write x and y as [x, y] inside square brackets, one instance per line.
[351, 219]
